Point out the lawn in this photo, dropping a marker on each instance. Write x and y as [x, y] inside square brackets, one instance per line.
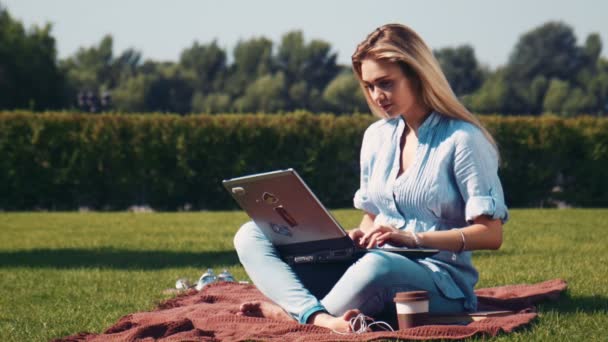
[62, 273]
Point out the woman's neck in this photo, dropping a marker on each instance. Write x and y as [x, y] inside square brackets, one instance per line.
[415, 118]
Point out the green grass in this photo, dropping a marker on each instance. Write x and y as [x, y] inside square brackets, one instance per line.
[65, 273]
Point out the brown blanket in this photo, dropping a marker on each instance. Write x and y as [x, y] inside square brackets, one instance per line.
[210, 315]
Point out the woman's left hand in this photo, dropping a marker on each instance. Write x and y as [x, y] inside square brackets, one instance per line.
[380, 235]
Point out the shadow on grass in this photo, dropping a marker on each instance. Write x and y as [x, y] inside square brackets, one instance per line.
[579, 304]
[114, 258]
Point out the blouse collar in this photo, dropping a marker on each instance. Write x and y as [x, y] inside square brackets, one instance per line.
[427, 125]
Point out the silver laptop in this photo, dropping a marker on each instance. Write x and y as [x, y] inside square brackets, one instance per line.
[296, 222]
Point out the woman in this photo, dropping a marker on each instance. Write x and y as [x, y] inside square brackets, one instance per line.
[428, 179]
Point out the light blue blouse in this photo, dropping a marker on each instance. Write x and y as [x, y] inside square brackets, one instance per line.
[452, 180]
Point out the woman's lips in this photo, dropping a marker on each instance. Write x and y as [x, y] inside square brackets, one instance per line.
[385, 107]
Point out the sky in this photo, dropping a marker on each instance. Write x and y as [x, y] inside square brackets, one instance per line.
[161, 29]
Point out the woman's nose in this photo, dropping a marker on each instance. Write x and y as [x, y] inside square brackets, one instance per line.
[378, 95]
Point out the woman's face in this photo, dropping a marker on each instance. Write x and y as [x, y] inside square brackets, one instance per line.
[388, 87]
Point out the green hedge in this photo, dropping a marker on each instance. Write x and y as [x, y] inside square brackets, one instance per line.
[64, 161]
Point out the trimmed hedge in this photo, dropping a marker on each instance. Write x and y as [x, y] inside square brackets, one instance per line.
[63, 161]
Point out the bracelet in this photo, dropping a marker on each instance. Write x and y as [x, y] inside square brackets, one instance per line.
[416, 240]
[464, 242]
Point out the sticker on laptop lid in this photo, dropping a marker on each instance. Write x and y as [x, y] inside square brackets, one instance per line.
[281, 229]
[269, 198]
[238, 191]
[285, 216]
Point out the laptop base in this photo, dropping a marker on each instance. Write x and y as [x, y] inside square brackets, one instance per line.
[339, 250]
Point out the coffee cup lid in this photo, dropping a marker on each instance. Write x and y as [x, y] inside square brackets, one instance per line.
[411, 296]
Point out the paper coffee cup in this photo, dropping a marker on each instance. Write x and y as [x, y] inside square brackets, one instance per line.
[412, 308]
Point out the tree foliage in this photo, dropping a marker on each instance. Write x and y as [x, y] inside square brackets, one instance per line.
[547, 71]
[461, 68]
[207, 63]
[29, 74]
[549, 50]
[344, 95]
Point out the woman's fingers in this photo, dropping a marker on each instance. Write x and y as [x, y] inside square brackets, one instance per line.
[395, 238]
[370, 237]
[356, 235]
[371, 242]
[383, 238]
[363, 239]
[380, 235]
[366, 237]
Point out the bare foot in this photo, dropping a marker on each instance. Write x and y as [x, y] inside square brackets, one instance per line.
[340, 324]
[264, 309]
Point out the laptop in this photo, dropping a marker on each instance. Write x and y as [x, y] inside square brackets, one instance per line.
[295, 221]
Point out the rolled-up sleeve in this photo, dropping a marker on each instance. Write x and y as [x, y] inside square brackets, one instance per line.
[476, 172]
[362, 199]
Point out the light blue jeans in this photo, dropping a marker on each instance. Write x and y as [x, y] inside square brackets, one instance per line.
[368, 284]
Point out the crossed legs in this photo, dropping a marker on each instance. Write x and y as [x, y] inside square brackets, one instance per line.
[366, 285]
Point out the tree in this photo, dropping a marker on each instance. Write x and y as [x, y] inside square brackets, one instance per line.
[211, 103]
[598, 86]
[547, 71]
[252, 59]
[95, 71]
[266, 94]
[29, 74]
[499, 95]
[308, 68]
[590, 86]
[344, 95]
[89, 69]
[556, 96]
[549, 50]
[130, 95]
[170, 92]
[460, 68]
[157, 87]
[536, 94]
[593, 48]
[579, 102]
[208, 63]
[123, 66]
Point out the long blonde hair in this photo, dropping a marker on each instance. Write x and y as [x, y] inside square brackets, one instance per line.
[400, 44]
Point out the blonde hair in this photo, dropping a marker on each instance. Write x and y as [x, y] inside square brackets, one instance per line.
[401, 45]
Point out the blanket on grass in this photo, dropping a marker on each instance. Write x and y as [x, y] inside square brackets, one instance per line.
[210, 315]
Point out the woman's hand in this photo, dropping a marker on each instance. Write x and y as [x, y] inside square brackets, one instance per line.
[379, 235]
[356, 234]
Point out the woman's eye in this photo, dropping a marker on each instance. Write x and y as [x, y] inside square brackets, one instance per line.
[385, 85]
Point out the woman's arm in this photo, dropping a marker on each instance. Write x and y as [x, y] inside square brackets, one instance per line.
[484, 233]
[367, 223]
